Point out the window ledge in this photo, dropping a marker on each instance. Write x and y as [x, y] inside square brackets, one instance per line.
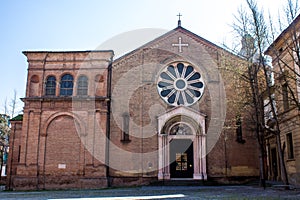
[125, 141]
[59, 98]
[290, 159]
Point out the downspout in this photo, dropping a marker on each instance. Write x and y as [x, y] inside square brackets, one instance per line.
[109, 77]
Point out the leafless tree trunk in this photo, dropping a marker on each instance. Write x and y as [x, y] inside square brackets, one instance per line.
[13, 104]
[4, 127]
[261, 35]
[251, 24]
[4, 133]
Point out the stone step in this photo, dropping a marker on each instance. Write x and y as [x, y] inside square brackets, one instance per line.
[181, 182]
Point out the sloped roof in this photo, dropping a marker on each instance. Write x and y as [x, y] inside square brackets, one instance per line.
[17, 118]
[177, 29]
[294, 24]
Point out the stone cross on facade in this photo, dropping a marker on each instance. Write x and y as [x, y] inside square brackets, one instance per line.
[180, 45]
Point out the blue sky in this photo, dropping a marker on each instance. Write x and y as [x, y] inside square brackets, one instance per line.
[84, 25]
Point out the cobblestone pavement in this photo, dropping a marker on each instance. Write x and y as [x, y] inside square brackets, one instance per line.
[159, 192]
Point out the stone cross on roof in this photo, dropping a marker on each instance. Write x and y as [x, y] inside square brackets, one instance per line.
[179, 21]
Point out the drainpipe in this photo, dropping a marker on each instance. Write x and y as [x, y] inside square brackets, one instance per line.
[225, 154]
[109, 77]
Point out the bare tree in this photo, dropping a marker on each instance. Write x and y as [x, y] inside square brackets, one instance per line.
[4, 134]
[260, 31]
[251, 26]
[9, 112]
[245, 26]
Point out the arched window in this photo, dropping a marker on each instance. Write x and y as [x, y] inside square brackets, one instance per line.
[82, 85]
[66, 85]
[50, 86]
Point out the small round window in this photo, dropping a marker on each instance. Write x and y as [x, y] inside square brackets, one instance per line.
[180, 84]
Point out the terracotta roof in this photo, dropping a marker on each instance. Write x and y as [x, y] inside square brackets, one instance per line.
[17, 118]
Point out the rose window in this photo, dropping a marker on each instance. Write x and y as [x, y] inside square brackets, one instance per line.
[180, 84]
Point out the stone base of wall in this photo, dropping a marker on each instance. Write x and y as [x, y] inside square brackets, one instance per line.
[294, 179]
[231, 180]
[21, 183]
[79, 182]
[56, 183]
[211, 181]
[3, 180]
[131, 181]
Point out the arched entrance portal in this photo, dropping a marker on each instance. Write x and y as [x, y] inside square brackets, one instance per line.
[182, 144]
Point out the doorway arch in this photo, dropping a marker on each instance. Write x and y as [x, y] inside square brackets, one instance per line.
[182, 144]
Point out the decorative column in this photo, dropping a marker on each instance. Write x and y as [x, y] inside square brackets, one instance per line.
[203, 156]
[167, 157]
[163, 157]
[197, 158]
[160, 157]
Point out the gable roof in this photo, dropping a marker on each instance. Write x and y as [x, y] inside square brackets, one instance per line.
[169, 33]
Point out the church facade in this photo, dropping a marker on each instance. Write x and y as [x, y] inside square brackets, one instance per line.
[159, 113]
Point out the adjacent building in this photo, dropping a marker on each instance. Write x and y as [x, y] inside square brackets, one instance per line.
[285, 52]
